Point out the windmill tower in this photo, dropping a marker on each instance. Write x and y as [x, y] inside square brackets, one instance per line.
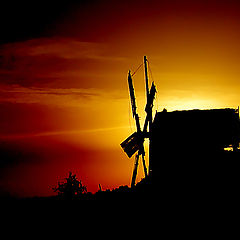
[135, 142]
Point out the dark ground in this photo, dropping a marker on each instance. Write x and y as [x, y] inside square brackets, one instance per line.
[181, 182]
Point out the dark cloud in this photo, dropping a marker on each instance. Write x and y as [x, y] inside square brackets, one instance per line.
[12, 154]
[21, 20]
[34, 150]
[91, 19]
[56, 62]
[30, 71]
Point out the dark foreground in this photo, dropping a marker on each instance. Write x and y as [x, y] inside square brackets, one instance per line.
[194, 180]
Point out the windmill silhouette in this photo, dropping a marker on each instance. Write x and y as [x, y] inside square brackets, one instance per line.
[135, 142]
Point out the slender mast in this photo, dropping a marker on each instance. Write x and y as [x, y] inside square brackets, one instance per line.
[149, 114]
[146, 75]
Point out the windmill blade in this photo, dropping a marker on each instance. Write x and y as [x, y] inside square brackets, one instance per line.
[149, 106]
[132, 94]
[132, 144]
[133, 102]
[134, 176]
[142, 152]
[150, 98]
[143, 161]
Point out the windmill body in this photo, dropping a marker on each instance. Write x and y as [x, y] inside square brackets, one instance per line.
[186, 148]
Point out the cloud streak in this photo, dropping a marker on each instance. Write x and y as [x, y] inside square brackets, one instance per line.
[58, 62]
[61, 47]
[56, 96]
[65, 132]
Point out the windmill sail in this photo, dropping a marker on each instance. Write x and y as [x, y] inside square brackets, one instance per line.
[135, 142]
[132, 95]
[148, 108]
[132, 144]
[133, 102]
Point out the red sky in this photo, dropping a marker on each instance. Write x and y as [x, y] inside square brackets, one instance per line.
[64, 101]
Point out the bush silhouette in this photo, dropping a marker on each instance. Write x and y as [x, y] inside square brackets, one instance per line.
[71, 189]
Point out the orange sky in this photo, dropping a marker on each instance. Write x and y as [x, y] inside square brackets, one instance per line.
[64, 101]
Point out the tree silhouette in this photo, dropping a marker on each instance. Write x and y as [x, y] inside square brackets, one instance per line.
[71, 189]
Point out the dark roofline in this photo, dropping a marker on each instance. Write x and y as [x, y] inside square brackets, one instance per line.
[191, 110]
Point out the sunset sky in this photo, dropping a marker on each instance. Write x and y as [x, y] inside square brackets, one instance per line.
[64, 102]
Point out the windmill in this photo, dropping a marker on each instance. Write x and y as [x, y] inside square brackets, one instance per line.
[135, 142]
